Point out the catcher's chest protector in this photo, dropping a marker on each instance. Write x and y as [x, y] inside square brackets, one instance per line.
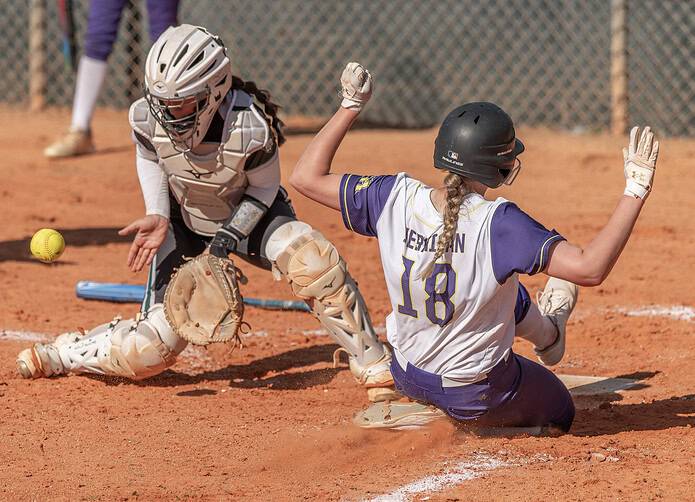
[209, 186]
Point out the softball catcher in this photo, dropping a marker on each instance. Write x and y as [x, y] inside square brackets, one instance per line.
[207, 160]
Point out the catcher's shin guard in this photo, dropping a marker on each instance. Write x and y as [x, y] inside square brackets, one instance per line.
[130, 348]
[318, 274]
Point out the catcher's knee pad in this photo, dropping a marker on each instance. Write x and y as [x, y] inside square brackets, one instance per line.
[313, 267]
[316, 272]
[130, 348]
[145, 347]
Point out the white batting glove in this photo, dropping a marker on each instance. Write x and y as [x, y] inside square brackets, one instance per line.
[640, 163]
[357, 85]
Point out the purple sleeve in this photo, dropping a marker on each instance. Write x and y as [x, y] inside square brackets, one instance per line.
[362, 198]
[519, 243]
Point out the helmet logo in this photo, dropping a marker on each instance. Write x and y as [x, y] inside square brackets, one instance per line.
[452, 155]
[160, 86]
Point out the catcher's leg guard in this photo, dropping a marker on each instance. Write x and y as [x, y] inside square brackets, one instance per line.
[130, 348]
[317, 273]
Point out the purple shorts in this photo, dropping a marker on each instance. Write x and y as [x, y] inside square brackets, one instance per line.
[105, 15]
[516, 393]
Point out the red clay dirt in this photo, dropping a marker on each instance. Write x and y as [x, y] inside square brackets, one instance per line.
[272, 421]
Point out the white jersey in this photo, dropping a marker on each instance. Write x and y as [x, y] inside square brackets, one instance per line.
[459, 322]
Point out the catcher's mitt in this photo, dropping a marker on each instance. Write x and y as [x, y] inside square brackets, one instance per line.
[202, 303]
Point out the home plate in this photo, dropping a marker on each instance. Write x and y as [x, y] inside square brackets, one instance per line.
[580, 385]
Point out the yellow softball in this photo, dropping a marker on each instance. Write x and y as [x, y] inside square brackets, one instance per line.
[47, 245]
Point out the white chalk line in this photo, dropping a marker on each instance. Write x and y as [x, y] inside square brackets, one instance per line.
[677, 312]
[379, 330]
[25, 336]
[460, 472]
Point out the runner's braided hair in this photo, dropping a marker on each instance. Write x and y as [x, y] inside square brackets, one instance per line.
[456, 189]
[263, 97]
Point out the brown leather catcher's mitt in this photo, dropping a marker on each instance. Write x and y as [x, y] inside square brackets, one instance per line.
[202, 303]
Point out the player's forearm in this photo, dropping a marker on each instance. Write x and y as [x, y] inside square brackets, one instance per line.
[311, 176]
[154, 186]
[603, 251]
[591, 265]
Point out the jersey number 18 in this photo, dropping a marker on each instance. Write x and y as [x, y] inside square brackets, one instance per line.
[433, 296]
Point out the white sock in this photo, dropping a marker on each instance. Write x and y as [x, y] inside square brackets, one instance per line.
[90, 77]
[536, 328]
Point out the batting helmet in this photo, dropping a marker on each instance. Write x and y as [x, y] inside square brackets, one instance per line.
[477, 140]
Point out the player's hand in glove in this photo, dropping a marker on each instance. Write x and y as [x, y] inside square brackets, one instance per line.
[357, 84]
[150, 233]
[640, 163]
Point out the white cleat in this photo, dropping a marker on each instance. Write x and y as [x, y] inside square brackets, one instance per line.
[397, 415]
[556, 301]
[74, 143]
[43, 360]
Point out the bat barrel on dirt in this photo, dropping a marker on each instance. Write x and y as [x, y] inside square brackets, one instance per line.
[134, 293]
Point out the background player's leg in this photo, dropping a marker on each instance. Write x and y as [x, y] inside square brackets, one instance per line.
[161, 14]
[102, 29]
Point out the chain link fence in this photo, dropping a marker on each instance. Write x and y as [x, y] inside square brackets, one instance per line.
[547, 61]
[661, 65]
[14, 51]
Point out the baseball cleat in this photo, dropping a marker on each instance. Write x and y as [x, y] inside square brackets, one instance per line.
[40, 361]
[43, 360]
[556, 302]
[379, 394]
[410, 415]
[74, 143]
[27, 365]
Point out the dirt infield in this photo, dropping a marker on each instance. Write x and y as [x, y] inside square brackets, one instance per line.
[272, 421]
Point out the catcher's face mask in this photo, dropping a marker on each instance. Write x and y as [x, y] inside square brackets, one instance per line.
[179, 117]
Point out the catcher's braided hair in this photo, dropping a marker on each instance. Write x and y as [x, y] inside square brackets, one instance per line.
[456, 190]
[264, 98]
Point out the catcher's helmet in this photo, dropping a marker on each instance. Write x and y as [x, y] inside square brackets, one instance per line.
[187, 67]
[477, 140]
